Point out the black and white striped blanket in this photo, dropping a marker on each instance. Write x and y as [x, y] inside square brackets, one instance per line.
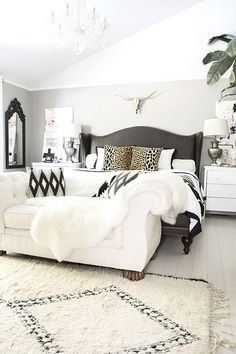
[195, 208]
[195, 201]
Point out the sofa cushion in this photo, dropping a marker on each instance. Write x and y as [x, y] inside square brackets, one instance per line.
[46, 182]
[20, 216]
[85, 183]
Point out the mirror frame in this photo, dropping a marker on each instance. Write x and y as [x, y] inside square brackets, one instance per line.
[14, 107]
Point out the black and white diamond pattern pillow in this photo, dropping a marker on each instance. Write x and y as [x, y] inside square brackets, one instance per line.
[46, 182]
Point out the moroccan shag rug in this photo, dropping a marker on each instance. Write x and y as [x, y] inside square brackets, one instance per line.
[49, 307]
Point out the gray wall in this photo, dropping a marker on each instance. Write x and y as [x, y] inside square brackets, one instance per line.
[181, 107]
[24, 97]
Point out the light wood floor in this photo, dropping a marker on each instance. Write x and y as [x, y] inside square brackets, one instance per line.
[212, 257]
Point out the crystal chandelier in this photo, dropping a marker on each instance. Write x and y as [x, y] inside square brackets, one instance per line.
[78, 26]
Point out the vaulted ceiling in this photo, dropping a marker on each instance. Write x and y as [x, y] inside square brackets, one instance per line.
[28, 52]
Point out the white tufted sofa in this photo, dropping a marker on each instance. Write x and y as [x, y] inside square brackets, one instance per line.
[129, 247]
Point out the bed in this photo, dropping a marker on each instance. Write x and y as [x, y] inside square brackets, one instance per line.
[122, 232]
[187, 147]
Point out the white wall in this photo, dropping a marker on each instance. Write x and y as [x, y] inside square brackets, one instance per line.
[170, 50]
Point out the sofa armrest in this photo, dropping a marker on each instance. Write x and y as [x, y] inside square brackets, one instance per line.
[13, 190]
[137, 236]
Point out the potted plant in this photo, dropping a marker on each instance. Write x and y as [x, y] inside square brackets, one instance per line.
[222, 60]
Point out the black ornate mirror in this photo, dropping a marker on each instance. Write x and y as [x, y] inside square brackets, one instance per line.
[15, 135]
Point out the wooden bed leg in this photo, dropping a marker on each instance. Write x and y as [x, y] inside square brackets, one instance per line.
[132, 275]
[2, 253]
[186, 242]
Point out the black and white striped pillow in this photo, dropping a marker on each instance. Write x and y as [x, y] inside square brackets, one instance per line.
[109, 188]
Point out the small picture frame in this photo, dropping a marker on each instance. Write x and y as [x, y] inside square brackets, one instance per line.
[55, 143]
[226, 154]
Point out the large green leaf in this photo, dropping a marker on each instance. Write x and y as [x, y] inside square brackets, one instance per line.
[231, 49]
[218, 68]
[223, 37]
[213, 56]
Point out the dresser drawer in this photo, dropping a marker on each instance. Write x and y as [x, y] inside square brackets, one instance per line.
[221, 204]
[221, 190]
[221, 177]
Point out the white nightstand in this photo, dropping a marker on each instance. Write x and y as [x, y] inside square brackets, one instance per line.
[220, 189]
[64, 165]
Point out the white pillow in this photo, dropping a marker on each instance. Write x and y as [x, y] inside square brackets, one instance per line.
[100, 158]
[164, 162]
[184, 164]
[90, 160]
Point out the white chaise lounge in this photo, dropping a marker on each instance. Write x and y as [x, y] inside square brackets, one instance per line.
[129, 246]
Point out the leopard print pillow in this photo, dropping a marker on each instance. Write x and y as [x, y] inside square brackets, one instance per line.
[145, 158]
[117, 157]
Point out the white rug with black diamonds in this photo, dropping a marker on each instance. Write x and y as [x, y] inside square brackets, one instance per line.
[47, 307]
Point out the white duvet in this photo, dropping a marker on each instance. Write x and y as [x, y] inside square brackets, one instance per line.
[67, 223]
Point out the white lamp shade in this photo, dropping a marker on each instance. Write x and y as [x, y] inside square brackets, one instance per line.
[216, 127]
[71, 130]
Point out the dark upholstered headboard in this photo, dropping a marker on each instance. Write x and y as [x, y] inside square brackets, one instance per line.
[187, 146]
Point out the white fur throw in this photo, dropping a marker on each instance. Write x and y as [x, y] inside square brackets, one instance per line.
[170, 193]
[67, 223]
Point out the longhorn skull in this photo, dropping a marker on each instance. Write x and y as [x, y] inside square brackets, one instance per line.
[137, 100]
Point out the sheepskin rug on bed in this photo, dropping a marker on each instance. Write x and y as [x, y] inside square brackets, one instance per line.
[50, 307]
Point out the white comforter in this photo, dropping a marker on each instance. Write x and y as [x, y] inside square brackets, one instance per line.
[67, 223]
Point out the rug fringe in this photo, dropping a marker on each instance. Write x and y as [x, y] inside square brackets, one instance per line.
[219, 311]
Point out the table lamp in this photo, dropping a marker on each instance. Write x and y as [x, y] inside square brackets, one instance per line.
[71, 131]
[215, 128]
